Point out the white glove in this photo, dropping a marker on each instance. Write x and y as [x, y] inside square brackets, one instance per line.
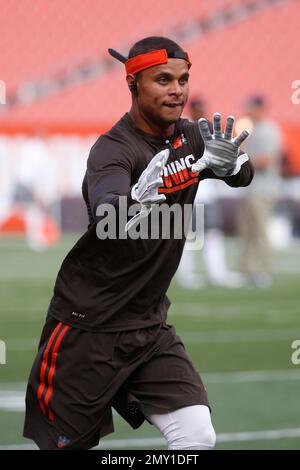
[145, 191]
[221, 153]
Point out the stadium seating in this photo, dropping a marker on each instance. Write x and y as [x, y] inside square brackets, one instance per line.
[45, 41]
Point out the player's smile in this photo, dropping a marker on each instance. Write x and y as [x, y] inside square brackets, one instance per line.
[174, 104]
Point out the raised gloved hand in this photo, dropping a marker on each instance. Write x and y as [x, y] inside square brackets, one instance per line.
[221, 153]
[145, 191]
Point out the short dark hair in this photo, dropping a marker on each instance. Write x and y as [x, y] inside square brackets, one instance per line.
[153, 43]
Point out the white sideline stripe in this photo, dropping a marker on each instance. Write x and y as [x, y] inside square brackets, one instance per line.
[10, 400]
[246, 302]
[259, 435]
[226, 336]
[158, 441]
[207, 337]
[222, 437]
[197, 309]
[251, 376]
[14, 400]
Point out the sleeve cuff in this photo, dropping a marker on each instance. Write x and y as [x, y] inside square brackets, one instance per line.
[239, 162]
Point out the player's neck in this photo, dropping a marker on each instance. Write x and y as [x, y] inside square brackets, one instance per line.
[148, 126]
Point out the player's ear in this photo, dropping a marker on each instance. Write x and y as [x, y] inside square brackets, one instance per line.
[131, 82]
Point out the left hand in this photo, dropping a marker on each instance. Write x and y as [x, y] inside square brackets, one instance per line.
[145, 191]
[221, 153]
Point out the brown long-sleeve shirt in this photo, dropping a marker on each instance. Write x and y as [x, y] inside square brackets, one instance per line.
[120, 284]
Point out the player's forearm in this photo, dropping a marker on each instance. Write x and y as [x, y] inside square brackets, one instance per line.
[108, 189]
[110, 201]
[242, 178]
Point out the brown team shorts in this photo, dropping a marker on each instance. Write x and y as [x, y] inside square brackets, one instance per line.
[79, 376]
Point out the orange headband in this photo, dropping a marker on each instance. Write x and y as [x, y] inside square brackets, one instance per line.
[148, 59]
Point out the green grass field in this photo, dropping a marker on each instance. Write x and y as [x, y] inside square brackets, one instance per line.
[240, 341]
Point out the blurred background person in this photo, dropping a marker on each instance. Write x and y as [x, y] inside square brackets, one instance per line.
[5, 191]
[214, 253]
[257, 203]
[34, 191]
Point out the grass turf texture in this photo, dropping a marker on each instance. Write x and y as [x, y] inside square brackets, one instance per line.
[240, 341]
